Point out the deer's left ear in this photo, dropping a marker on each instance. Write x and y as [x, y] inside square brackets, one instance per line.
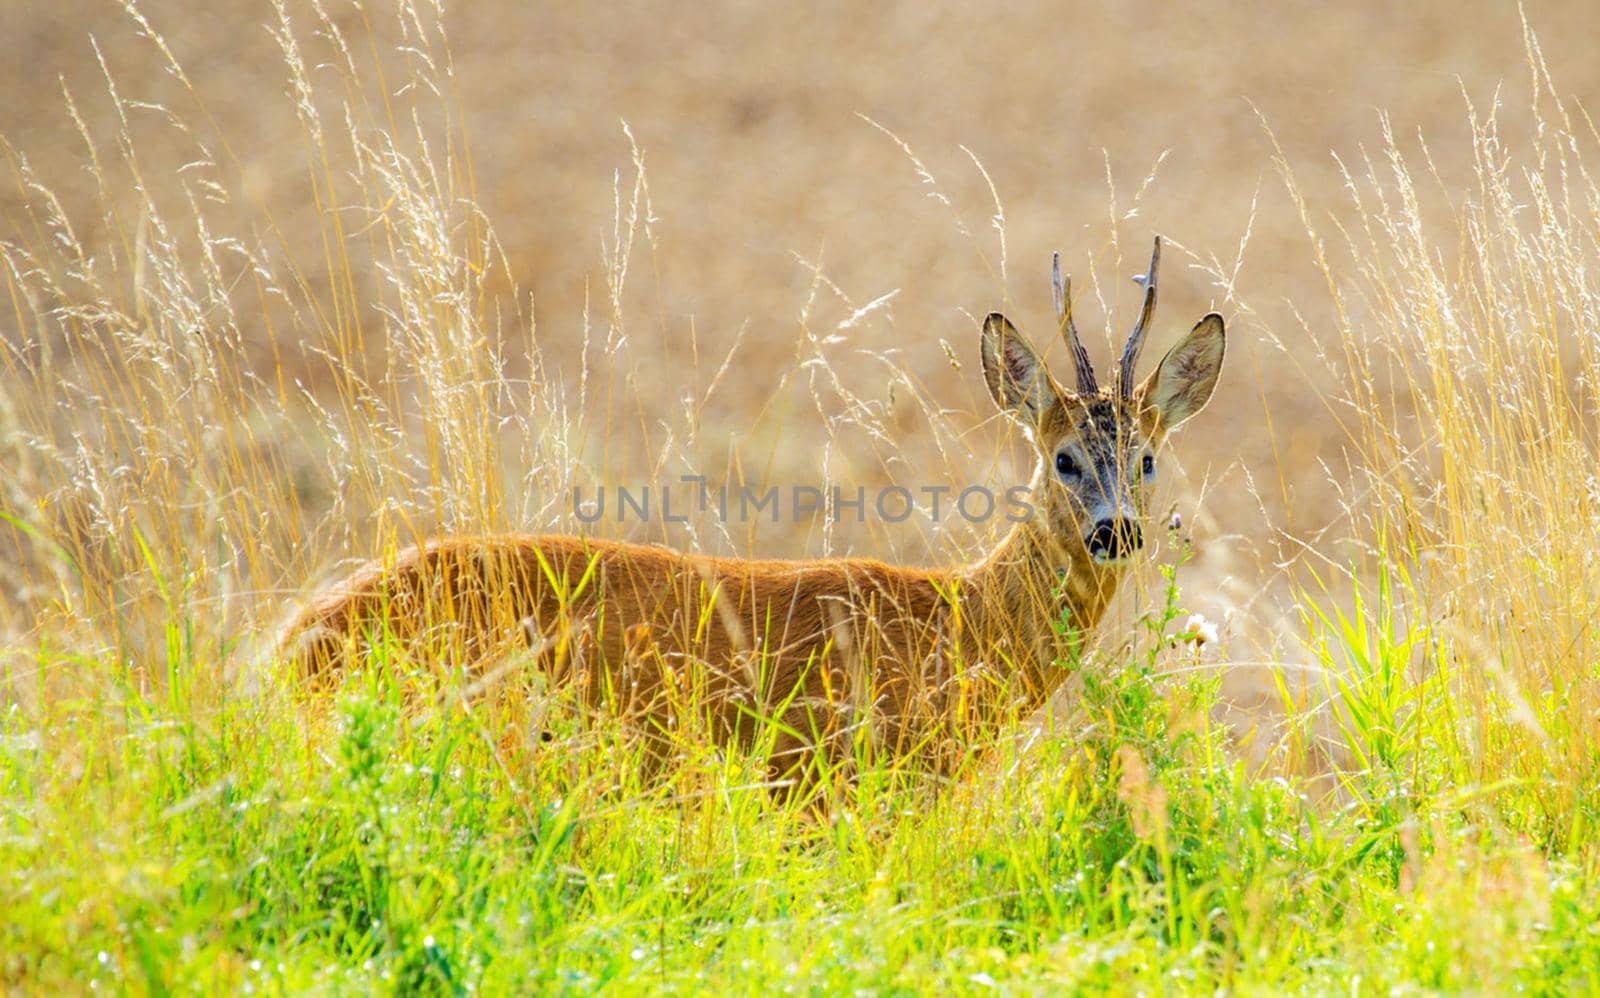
[1182, 384]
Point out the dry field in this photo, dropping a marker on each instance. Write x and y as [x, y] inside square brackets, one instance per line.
[1095, 128]
[288, 285]
[783, 199]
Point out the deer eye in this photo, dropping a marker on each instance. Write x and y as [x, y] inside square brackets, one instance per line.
[1149, 465]
[1066, 466]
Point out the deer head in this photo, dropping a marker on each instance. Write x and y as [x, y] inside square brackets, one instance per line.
[1099, 448]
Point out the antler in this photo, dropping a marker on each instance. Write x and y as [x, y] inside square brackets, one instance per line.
[1130, 353]
[1069, 330]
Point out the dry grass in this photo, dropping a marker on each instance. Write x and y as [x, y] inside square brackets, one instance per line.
[759, 162]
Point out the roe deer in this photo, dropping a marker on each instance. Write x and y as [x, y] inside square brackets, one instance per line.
[828, 651]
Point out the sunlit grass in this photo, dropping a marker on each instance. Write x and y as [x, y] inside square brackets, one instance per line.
[217, 839]
[175, 809]
[1462, 632]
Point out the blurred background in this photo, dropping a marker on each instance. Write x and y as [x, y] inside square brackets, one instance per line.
[829, 196]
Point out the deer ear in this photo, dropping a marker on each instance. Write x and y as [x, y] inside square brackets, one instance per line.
[1017, 379]
[1183, 382]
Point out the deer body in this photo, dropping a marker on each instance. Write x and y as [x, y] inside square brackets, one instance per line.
[830, 651]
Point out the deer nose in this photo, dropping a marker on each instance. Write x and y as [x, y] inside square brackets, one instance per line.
[1113, 540]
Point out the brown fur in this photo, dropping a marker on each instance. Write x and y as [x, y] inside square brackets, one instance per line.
[822, 646]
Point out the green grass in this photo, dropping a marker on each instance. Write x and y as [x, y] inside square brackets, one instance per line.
[190, 835]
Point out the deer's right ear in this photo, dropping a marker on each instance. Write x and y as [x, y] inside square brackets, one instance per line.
[1017, 379]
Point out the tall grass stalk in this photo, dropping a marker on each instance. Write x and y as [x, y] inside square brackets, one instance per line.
[1466, 334]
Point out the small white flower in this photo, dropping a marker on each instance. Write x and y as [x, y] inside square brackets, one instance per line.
[1200, 630]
